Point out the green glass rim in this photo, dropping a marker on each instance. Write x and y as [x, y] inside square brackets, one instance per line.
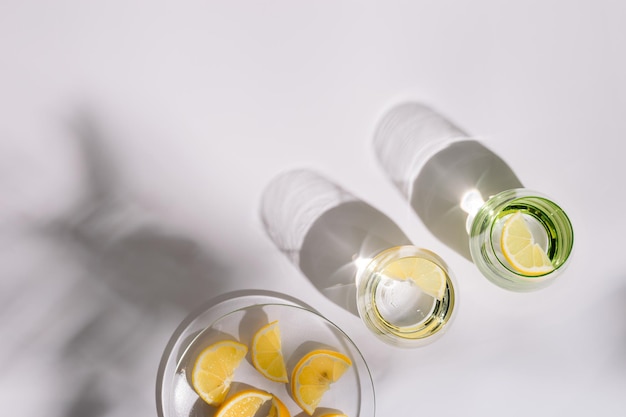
[484, 247]
[557, 225]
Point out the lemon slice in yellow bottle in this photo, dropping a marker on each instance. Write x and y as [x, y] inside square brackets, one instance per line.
[427, 275]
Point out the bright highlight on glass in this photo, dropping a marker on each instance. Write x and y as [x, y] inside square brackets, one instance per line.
[406, 295]
[465, 194]
[359, 258]
[521, 240]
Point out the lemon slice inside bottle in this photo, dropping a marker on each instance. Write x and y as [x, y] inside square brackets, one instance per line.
[520, 250]
[427, 275]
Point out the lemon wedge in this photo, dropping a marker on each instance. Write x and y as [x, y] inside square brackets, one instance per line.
[313, 375]
[427, 275]
[520, 250]
[246, 404]
[214, 368]
[267, 356]
[278, 409]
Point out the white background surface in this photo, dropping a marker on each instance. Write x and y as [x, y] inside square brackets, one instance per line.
[198, 104]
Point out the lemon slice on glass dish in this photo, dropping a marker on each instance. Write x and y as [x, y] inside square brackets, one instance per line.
[278, 409]
[248, 402]
[520, 250]
[214, 369]
[267, 356]
[427, 275]
[313, 375]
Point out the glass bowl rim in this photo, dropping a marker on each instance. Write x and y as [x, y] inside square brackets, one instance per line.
[246, 299]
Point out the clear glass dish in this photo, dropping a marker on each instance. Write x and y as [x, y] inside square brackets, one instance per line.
[237, 316]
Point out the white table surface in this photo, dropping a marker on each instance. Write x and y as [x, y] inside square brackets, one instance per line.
[136, 138]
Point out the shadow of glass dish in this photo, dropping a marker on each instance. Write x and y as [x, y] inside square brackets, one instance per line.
[136, 275]
[325, 231]
[443, 173]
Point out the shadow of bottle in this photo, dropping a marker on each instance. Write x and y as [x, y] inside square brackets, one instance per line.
[325, 231]
[445, 175]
